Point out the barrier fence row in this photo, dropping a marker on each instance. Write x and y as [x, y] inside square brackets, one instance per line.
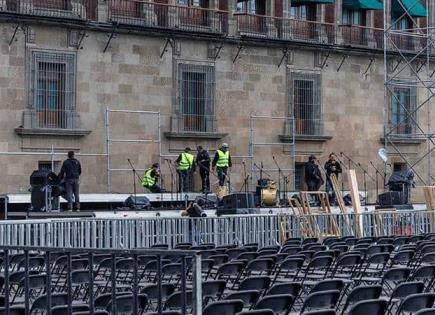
[262, 229]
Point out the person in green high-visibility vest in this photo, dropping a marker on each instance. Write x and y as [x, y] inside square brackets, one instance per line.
[150, 179]
[185, 167]
[222, 161]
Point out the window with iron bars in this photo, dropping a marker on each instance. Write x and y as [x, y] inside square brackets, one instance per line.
[52, 90]
[196, 93]
[305, 102]
[403, 103]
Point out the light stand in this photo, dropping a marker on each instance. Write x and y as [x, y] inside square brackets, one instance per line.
[169, 164]
[377, 180]
[279, 179]
[134, 173]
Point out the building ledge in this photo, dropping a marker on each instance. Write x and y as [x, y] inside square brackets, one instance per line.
[195, 135]
[55, 132]
[403, 140]
[305, 138]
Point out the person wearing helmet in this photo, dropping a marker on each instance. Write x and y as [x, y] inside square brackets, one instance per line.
[185, 167]
[222, 161]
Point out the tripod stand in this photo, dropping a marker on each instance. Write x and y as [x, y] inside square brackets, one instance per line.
[135, 174]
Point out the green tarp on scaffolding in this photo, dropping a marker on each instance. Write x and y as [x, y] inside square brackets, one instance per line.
[363, 5]
[414, 8]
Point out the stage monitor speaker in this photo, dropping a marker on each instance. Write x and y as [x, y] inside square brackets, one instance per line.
[390, 198]
[210, 202]
[142, 202]
[238, 200]
[239, 211]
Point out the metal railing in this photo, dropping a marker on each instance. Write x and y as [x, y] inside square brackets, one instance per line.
[68, 9]
[158, 15]
[288, 29]
[51, 119]
[37, 279]
[262, 229]
[357, 35]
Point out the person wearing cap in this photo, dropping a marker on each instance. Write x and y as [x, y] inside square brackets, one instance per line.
[203, 161]
[313, 177]
[150, 178]
[70, 173]
[185, 167]
[222, 161]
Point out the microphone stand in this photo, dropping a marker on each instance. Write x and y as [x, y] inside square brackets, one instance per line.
[134, 180]
[169, 164]
[377, 180]
[245, 179]
[342, 177]
[279, 178]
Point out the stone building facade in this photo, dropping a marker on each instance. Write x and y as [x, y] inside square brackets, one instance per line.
[122, 79]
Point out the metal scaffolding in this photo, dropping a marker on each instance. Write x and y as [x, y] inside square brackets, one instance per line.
[285, 173]
[149, 117]
[409, 86]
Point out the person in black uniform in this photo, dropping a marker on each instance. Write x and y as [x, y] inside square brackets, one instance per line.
[313, 177]
[203, 161]
[331, 167]
[70, 172]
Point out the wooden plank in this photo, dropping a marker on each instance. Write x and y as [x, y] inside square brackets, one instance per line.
[356, 203]
[341, 205]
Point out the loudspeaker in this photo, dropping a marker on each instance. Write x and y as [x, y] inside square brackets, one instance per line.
[390, 198]
[42, 178]
[239, 211]
[142, 202]
[238, 200]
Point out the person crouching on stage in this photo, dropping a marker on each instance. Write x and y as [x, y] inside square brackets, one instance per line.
[150, 178]
[222, 161]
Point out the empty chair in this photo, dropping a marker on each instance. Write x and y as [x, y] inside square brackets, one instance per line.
[226, 307]
[416, 302]
[280, 303]
[290, 249]
[247, 256]
[230, 271]
[403, 290]
[40, 304]
[327, 285]
[362, 293]
[63, 309]
[14, 310]
[174, 300]
[394, 276]
[426, 311]
[152, 291]
[124, 304]
[212, 290]
[372, 307]
[292, 288]
[259, 266]
[321, 300]
[257, 312]
[233, 253]
[289, 268]
[320, 312]
[249, 297]
[425, 274]
[255, 283]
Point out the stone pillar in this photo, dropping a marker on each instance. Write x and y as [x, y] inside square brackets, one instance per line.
[286, 5]
[388, 15]
[103, 11]
[232, 19]
[338, 18]
[370, 18]
[271, 30]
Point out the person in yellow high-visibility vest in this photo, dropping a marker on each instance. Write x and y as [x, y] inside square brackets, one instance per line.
[150, 179]
[185, 167]
[222, 161]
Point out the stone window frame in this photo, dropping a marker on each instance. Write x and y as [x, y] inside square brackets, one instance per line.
[69, 59]
[316, 75]
[413, 105]
[177, 125]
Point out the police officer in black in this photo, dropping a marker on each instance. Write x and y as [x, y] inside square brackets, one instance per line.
[203, 161]
[70, 172]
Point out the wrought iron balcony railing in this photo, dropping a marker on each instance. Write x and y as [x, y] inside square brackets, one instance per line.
[158, 15]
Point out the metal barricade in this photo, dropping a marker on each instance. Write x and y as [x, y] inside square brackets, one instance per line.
[75, 278]
[270, 229]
